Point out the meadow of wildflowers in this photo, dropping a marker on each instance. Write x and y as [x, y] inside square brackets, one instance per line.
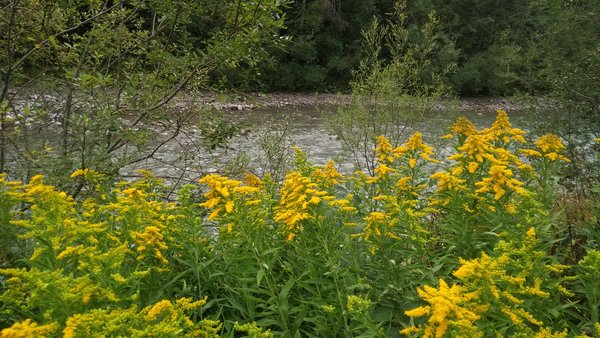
[471, 245]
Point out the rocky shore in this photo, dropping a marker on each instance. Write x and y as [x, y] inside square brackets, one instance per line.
[248, 101]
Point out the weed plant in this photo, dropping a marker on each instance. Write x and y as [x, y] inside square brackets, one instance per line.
[470, 245]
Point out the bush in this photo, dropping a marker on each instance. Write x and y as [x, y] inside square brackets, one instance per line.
[319, 254]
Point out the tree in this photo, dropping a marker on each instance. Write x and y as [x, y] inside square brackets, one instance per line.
[390, 95]
[84, 82]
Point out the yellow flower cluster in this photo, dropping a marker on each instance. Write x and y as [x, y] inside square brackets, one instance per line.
[86, 173]
[163, 319]
[384, 152]
[297, 194]
[500, 180]
[152, 239]
[218, 196]
[413, 149]
[446, 305]
[147, 220]
[162, 308]
[488, 284]
[548, 146]
[225, 193]
[484, 162]
[328, 176]
[253, 330]
[447, 181]
[377, 223]
[28, 328]
[502, 130]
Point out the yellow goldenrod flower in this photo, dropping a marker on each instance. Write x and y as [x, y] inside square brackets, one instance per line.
[253, 181]
[547, 333]
[410, 330]
[383, 150]
[383, 170]
[531, 153]
[549, 142]
[224, 192]
[411, 163]
[472, 167]
[415, 142]
[502, 129]
[377, 223]
[500, 179]
[158, 309]
[327, 176]
[464, 127]
[297, 195]
[188, 304]
[551, 147]
[28, 328]
[151, 238]
[476, 147]
[79, 172]
[445, 304]
[403, 183]
[446, 181]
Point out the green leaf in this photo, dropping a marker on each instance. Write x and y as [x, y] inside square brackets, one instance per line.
[259, 276]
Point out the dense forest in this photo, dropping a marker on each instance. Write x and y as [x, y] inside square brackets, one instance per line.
[497, 47]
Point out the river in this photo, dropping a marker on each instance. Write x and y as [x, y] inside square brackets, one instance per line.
[271, 132]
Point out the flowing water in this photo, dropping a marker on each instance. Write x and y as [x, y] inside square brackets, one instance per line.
[183, 160]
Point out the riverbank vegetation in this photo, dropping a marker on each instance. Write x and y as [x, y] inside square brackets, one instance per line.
[470, 244]
[500, 237]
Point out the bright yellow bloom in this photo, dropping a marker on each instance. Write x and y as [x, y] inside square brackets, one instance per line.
[79, 172]
[415, 142]
[549, 143]
[547, 333]
[445, 305]
[472, 167]
[327, 176]
[224, 192]
[377, 223]
[403, 183]
[464, 127]
[151, 238]
[476, 147]
[531, 153]
[500, 179]
[86, 173]
[551, 147]
[383, 151]
[28, 328]
[502, 129]
[383, 170]
[446, 181]
[253, 181]
[164, 306]
[297, 195]
[188, 304]
[411, 163]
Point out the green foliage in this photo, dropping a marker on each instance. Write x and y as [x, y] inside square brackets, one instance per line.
[500, 48]
[112, 69]
[391, 96]
[324, 45]
[320, 254]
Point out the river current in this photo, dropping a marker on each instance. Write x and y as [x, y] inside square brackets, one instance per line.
[268, 137]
